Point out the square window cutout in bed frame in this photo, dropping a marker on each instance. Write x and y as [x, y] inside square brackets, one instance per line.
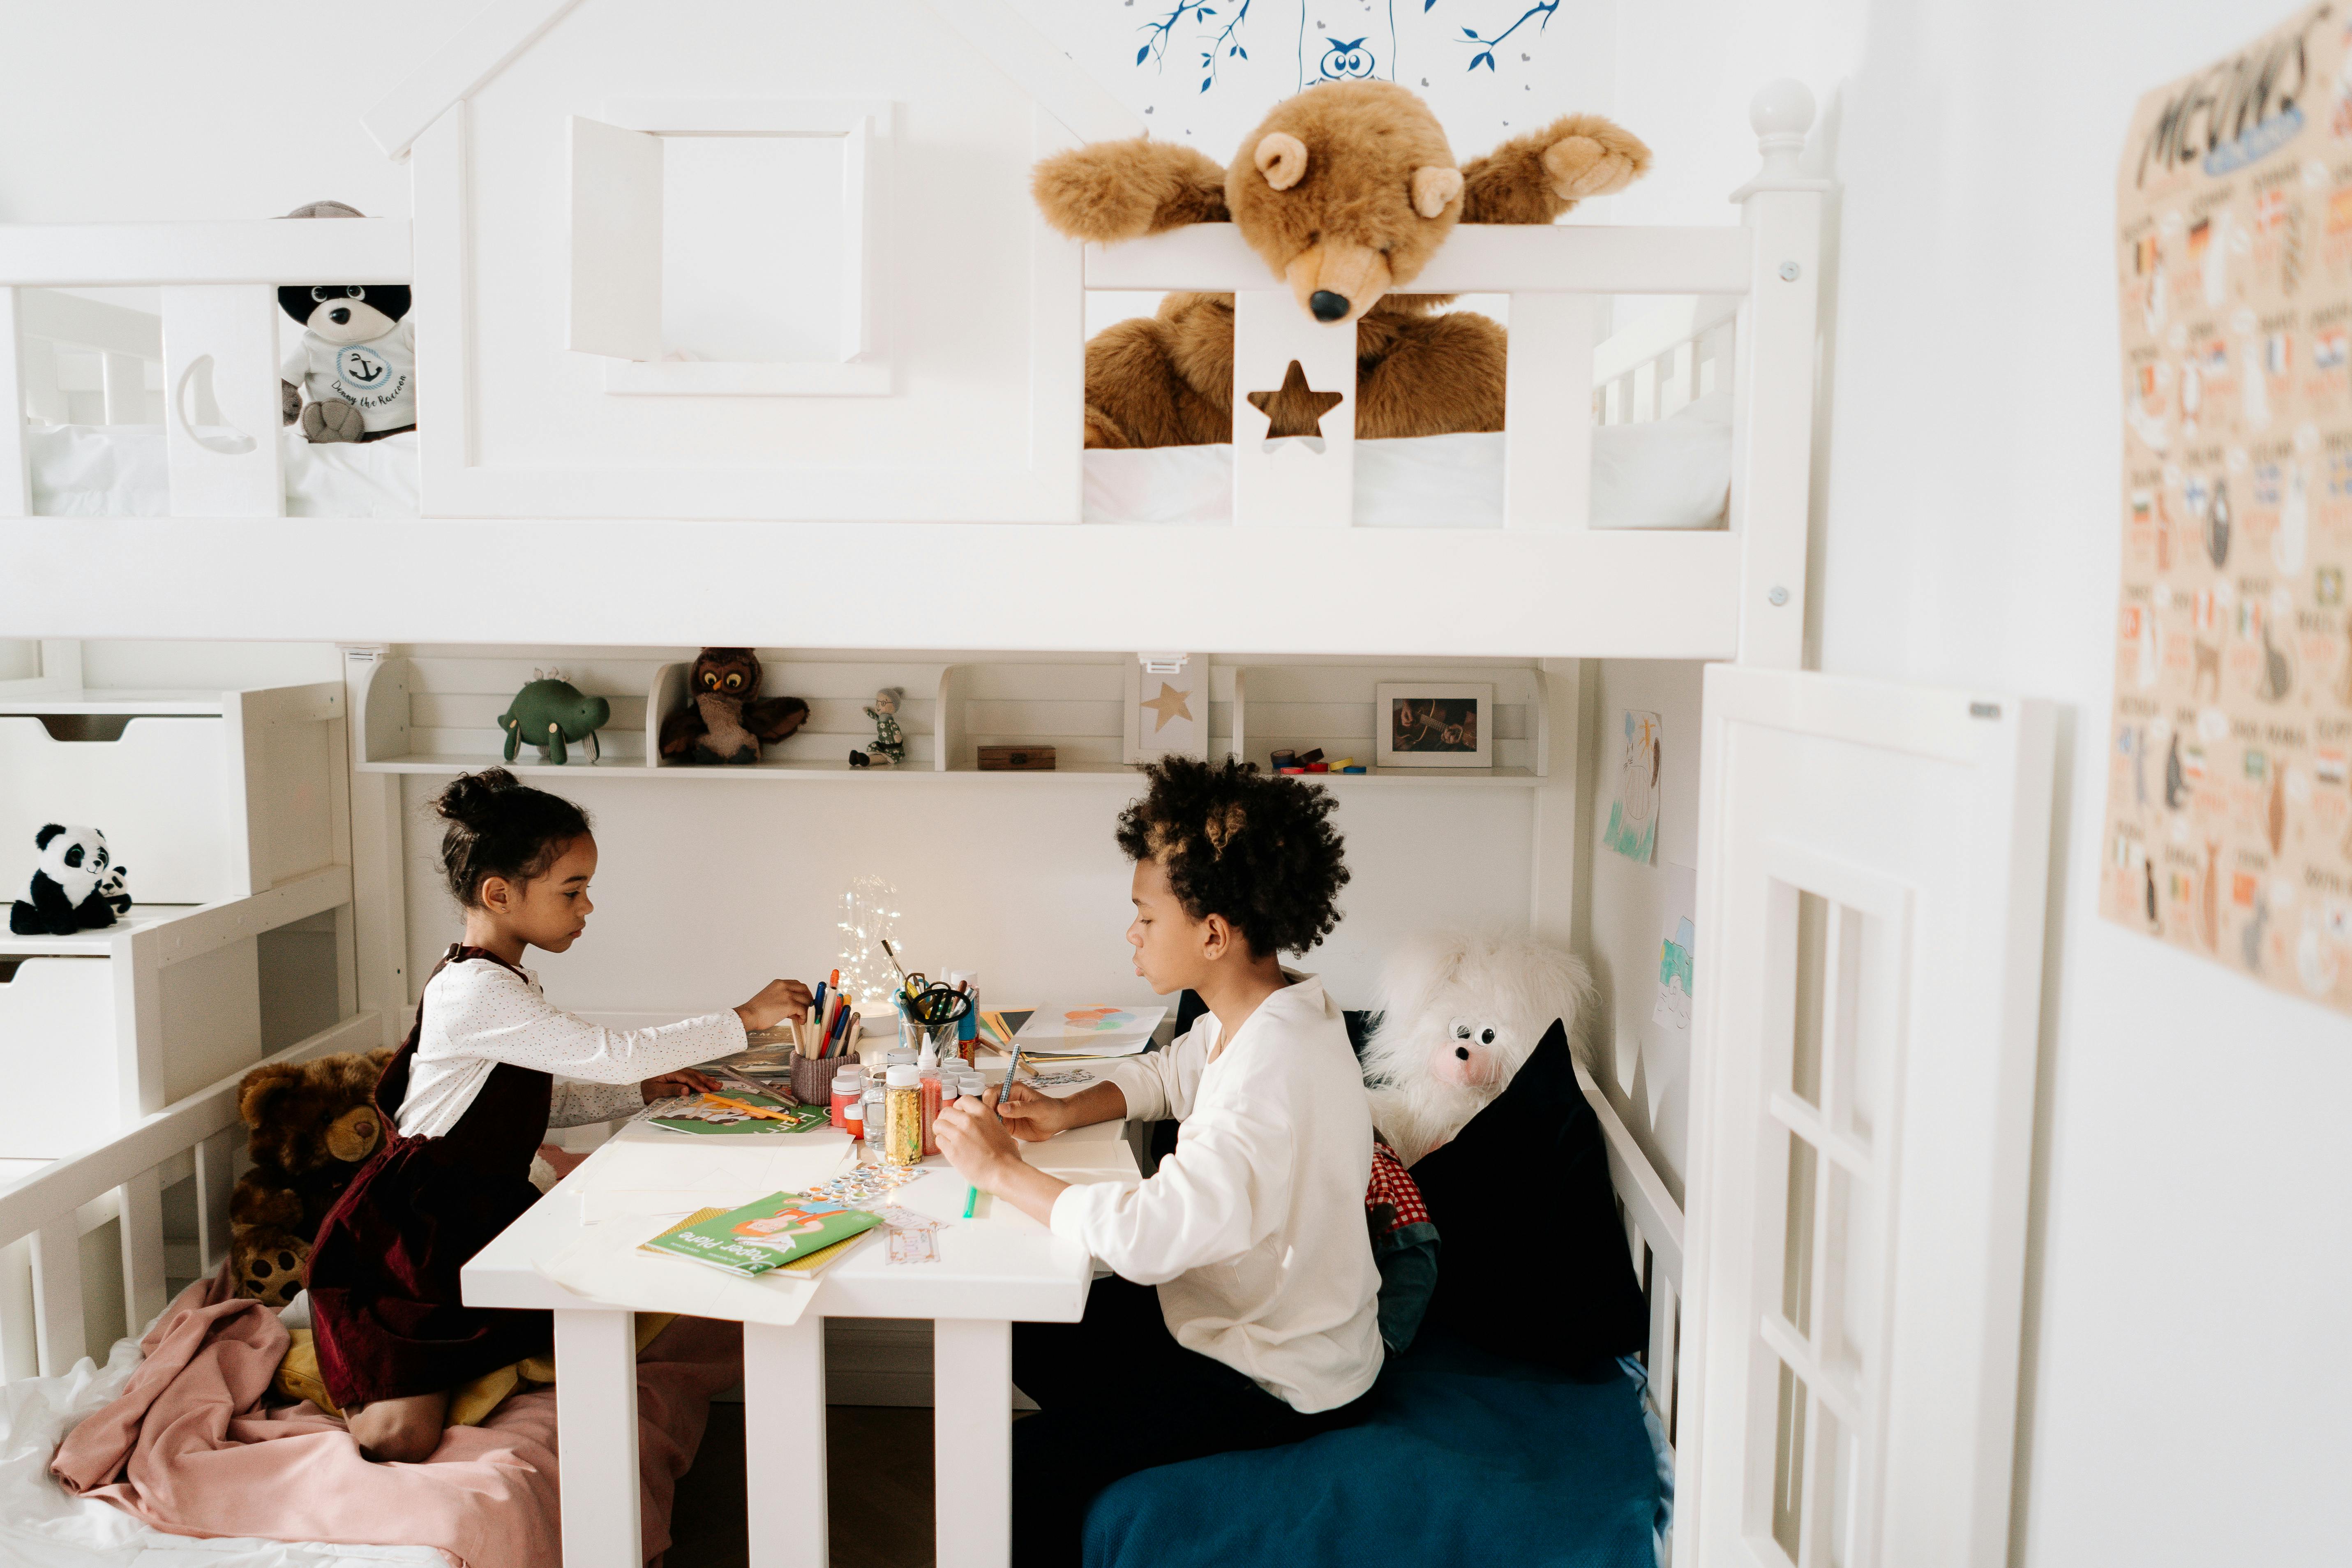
[698, 226]
[1433, 724]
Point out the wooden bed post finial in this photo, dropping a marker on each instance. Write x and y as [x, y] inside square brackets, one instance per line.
[1783, 112]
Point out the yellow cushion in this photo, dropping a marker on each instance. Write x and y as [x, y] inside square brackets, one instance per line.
[470, 1404]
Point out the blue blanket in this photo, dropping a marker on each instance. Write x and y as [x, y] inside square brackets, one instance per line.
[1465, 1457]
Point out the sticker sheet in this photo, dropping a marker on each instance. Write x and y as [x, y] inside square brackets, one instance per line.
[2228, 828]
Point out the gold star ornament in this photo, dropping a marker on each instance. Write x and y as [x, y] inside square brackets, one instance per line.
[1294, 408]
[1170, 704]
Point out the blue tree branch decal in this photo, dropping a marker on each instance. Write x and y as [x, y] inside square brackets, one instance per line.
[1543, 9]
[1158, 34]
[1227, 46]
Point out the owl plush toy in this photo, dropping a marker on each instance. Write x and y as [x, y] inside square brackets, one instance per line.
[725, 719]
[1460, 1013]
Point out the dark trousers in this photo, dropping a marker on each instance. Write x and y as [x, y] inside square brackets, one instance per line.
[1116, 1394]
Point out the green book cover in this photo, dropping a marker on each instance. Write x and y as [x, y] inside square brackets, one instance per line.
[726, 1114]
[766, 1234]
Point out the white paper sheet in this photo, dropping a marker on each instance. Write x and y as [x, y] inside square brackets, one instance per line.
[1089, 1030]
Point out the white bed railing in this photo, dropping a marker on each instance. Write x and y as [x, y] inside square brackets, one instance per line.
[1654, 1230]
[44, 1215]
[218, 335]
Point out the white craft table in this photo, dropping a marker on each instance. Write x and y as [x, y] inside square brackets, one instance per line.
[992, 1271]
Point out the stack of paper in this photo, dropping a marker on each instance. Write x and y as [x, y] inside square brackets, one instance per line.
[1082, 1032]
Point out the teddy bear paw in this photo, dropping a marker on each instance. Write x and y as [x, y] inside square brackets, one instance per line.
[1581, 168]
[271, 1273]
[332, 421]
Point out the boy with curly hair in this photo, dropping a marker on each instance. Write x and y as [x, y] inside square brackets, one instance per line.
[1245, 1311]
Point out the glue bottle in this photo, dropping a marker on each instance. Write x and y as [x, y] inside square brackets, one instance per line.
[902, 1116]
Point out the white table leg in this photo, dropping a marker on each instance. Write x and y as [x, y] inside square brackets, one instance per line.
[783, 1442]
[596, 1437]
[971, 1405]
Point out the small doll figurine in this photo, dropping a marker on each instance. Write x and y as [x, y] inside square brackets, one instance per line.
[890, 747]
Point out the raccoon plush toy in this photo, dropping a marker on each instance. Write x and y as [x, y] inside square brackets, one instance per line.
[78, 886]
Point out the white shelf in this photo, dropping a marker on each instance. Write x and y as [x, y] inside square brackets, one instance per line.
[94, 943]
[636, 768]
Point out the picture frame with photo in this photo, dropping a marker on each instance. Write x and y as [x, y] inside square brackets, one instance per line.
[1433, 724]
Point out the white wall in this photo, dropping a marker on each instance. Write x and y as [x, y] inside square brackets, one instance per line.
[2187, 1374]
[705, 889]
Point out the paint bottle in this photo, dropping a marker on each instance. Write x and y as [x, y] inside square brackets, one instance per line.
[902, 1116]
[848, 1088]
[851, 1114]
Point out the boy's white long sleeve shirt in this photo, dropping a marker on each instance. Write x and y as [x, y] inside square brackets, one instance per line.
[1254, 1227]
[479, 1012]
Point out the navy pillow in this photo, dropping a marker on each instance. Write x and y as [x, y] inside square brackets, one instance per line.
[1532, 1167]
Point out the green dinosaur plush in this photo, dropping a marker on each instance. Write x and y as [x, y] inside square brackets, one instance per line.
[550, 712]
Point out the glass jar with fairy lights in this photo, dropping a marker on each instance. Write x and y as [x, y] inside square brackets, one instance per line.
[869, 917]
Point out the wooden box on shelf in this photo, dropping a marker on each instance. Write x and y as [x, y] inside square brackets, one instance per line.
[1016, 759]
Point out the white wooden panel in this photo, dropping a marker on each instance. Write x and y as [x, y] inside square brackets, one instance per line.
[125, 384]
[597, 1426]
[784, 1441]
[93, 325]
[617, 225]
[221, 401]
[1085, 110]
[1495, 258]
[1298, 482]
[264, 251]
[57, 1051]
[972, 1442]
[1925, 815]
[1655, 330]
[159, 792]
[1772, 421]
[861, 198]
[1547, 412]
[15, 479]
[20, 1354]
[141, 1201]
[216, 1179]
[56, 1294]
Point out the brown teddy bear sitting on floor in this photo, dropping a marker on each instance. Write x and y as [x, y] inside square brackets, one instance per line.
[313, 1125]
[1347, 190]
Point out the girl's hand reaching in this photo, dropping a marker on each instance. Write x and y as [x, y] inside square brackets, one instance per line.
[777, 1001]
[673, 1085]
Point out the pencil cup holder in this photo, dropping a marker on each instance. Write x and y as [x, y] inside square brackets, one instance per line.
[812, 1079]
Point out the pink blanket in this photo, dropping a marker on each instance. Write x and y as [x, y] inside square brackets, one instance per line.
[190, 1448]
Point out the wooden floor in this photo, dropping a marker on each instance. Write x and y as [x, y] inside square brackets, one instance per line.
[878, 1476]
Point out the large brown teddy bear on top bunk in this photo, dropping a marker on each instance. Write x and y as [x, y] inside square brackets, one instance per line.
[1346, 190]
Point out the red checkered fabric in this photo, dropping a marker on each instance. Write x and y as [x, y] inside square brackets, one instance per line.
[1393, 1186]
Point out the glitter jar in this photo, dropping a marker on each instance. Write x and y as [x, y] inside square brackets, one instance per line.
[902, 1116]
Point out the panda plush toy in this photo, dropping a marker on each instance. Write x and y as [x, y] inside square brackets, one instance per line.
[76, 888]
[354, 375]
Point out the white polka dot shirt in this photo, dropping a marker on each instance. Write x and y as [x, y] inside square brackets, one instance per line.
[479, 1012]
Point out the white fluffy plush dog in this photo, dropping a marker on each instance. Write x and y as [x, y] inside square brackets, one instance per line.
[1460, 1013]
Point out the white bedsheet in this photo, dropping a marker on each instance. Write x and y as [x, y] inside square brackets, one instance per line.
[1671, 473]
[42, 1525]
[119, 471]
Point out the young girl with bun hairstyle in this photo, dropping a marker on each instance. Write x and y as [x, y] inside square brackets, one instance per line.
[469, 1096]
[1245, 1313]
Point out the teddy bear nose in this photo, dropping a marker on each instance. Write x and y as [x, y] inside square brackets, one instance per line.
[1463, 1052]
[1328, 306]
[342, 316]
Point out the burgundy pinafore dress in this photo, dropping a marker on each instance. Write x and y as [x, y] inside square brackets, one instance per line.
[385, 1308]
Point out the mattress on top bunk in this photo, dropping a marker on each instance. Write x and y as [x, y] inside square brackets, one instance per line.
[120, 471]
[1671, 473]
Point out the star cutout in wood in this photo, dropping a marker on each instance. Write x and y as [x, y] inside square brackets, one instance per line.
[1170, 704]
[1293, 409]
